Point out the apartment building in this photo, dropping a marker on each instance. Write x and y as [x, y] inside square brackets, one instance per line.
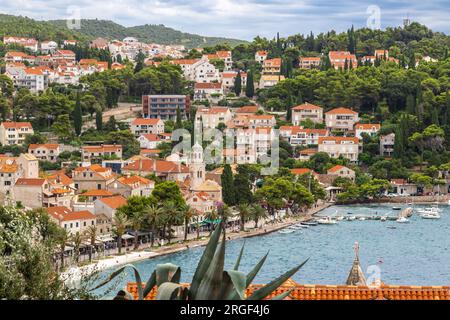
[165, 107]
[347, 147]
[387, 143]
[261, 56]
[307, 111]
[263, 120]
[339, 59]
[272, 66]
[297, 135]
[97, 153]
[141, 126]
[212, 91]
[13, 168]
[46, 151]
[370, 129]
[14, 132]
[71, 221]
[309, 62]
[31, 78]
[92, 177]
[210, 118]
[341, 119]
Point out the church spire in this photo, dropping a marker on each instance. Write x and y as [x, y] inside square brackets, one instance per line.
[356, 276]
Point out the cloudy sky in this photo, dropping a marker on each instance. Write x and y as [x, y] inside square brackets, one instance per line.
[242, 19]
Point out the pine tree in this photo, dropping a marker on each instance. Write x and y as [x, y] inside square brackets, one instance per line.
[238, 84]
[178, 122]
[99, 120]
[228, 194]
[250, 88]
[78, 116]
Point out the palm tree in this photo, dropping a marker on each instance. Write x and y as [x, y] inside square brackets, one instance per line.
[76, 239]
[256, 213]
[91, 233]
[136, 221]
[212, 216]
[188, 213]
[62, 239]
[244, 212]
[154, 216]
[172, 217]
[120, 223]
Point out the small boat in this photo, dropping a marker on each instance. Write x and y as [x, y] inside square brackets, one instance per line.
[353, 218]
[326, 220]
[384, 218]
[402, 220]
[430, 216]
[309, 224]
[392, 228]
[286, 231]
[361, 218]
[340, 218]
[349, 212]
[396, 208]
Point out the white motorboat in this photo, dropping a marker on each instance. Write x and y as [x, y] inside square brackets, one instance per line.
[362, 219]
[326, 220]
[402, 220]
[352, 218]
[430, 210]
[340, 218]
[430, 216]
[384, 218]
[286, 231]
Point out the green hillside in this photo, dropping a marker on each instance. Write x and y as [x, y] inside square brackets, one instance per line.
[41, 30]
[146, 33]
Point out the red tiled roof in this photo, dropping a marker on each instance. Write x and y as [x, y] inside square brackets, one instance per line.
[51, 146]
[336, 168]
[341, 110]
[307, 106]
[17, 125]
[367, 126]
[142, 121]
[30, 182]
[301, 171]
[97, 193]
[208, 85]
[338, 139]
[114, 202]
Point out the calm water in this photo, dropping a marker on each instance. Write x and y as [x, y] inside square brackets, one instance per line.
[416, 253]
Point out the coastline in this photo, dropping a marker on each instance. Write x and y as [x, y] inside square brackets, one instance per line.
[74, 273]
[143, 254]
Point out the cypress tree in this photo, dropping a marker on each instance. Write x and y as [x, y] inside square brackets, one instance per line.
[242, 188]
[346, 65]
[299, 97]
[410, 104]
[238, 84]
[99, 120]
[78, 116]
[446, 120]
[419, 105]
[435, 116]
[228, 186]
[289, 108]
[178, 123]
[250, 88]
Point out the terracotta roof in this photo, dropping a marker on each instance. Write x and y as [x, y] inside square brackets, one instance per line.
[161, 166]
[185, 61]
[367, 126]
[52, 146]
[17, 125]
[310, 58]
[247, 109]
[261, 117]
[208, 85]
[133, 180]
[301, 171]
[151, 137]
[307, 106]
[114, 202]
[103, 148]
[276, 62]
[341, 110]
[261, 53]
[97, 193]
[338, 140]
[149, 122]
[336, 168]
[30, 182]
[339, 292]
[308, 151]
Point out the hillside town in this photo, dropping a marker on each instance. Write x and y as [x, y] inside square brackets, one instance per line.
[128, 146]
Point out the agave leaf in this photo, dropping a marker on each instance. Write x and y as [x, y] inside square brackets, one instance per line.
[211, 284]
[205, 261]
[184, 294]
[252, 274]
[167, 273]
[168, 291]
[269, 288]
[116, 273]
[283, 295]
[150, 284]
[234, 285]
[238, 261]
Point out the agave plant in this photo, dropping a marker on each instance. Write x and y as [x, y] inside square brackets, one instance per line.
[210, 281]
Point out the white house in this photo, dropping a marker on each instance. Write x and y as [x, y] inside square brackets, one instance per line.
[141, 126]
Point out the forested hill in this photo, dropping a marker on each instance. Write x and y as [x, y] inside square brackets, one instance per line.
[146, 33]
[41, 30]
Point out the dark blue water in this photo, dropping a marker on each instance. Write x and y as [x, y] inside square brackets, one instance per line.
[416, 253]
